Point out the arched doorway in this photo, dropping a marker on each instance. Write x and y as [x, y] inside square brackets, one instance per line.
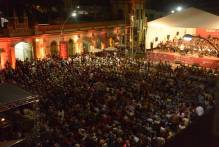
[54, 48]
[71, 48]
[23, 51]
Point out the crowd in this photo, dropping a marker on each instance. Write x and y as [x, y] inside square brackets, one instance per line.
[196, 46]
[113, 102]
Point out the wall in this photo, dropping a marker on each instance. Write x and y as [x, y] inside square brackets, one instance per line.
[41, 43]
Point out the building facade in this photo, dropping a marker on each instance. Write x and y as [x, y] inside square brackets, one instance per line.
[19, 41]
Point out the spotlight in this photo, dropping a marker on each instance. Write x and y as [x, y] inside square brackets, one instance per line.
[2, 119]
[179, 8]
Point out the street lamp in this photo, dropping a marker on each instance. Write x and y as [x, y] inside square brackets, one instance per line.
[189, 37]
[62, 43]
[177, 9]
[73, 14]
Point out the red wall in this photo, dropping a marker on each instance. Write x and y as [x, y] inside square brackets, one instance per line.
[173, 58]
[207, 32]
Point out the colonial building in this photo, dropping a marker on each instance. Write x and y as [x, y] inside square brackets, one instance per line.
[18, 41]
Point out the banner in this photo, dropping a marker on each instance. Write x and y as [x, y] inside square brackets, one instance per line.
[208, 62]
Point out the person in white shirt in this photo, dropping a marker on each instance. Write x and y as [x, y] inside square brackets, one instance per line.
[199, 110]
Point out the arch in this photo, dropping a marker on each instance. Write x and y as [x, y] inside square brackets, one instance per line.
[23, 51]
[54, 48]
[71, 47]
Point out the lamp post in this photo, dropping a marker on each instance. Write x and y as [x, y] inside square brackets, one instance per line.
[189, 37]
[73, 14]
[63, 53]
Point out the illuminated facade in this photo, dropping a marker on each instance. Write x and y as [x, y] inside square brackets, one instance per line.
[20, 42]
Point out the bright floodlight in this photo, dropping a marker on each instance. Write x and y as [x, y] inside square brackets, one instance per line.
[179, 8]
[2, 119]
[74, 14]
[172, 11]
[187, 37]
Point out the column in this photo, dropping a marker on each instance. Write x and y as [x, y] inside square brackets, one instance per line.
[63, 50]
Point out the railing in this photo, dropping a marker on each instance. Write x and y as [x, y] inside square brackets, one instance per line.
[15, 104]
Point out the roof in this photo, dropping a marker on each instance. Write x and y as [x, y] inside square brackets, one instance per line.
[10, 143]
[189, 18]
[12, 96]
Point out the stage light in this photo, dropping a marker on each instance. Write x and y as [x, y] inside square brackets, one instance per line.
[172, 11]
[74, 14]
[179, 8]
[2, 119]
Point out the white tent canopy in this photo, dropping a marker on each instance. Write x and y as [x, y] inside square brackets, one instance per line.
[178, 24]
[189, 18]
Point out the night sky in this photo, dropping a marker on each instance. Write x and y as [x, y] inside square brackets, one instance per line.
[7, 6]
[167, 5]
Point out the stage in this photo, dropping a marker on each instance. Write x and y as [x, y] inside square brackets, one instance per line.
[207, 62]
